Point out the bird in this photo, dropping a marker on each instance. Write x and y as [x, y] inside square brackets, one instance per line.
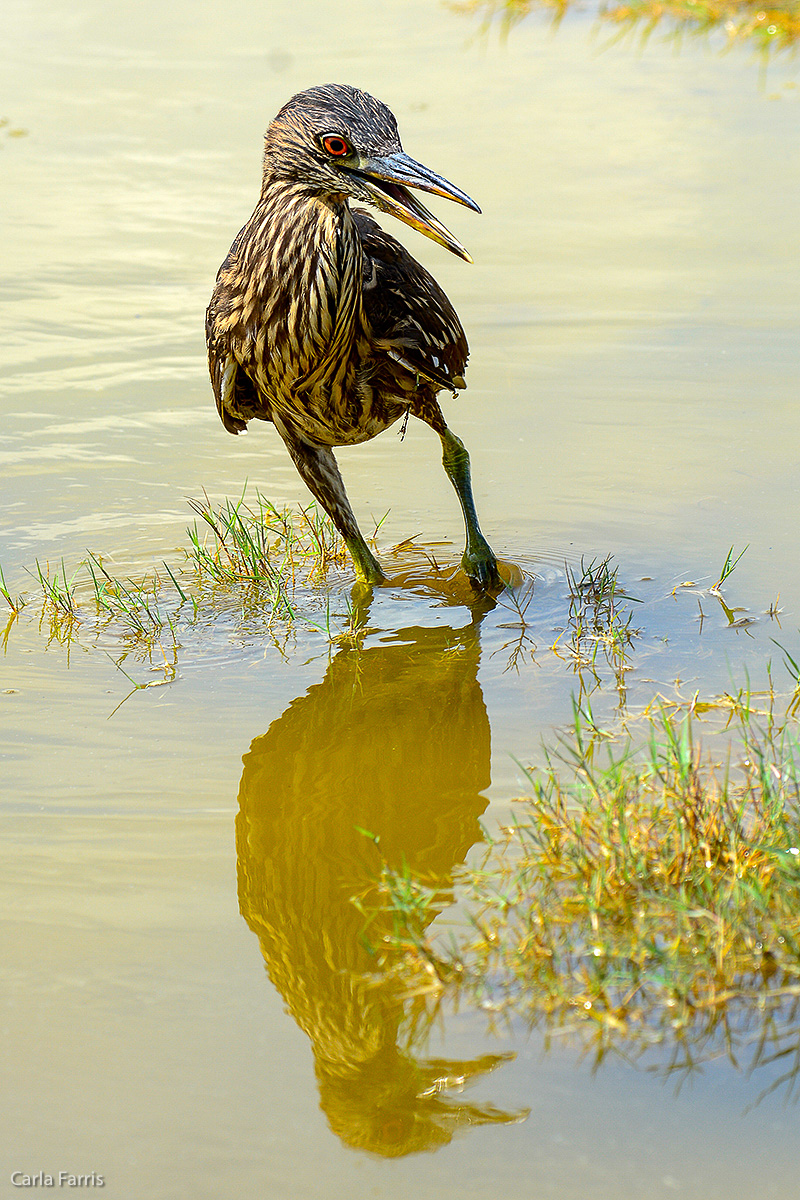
[324, 324]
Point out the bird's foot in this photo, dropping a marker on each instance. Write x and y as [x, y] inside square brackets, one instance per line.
[368, 569]
[373, 579]
[480, 565]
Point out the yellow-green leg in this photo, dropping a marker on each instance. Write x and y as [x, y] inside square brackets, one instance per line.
[478, 561]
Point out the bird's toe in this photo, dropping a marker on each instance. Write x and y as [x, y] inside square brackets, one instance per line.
[482, 570]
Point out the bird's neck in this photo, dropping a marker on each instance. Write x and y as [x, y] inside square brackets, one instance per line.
[309, 264]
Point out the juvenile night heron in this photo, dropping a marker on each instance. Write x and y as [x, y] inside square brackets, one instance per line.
[324, 324]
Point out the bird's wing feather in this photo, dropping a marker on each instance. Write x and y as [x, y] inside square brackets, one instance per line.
[237, 397]
[410, 316]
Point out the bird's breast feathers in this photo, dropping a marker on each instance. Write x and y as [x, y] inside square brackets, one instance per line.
[332, 321]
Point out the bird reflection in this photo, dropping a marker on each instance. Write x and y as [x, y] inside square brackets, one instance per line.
[394, 740]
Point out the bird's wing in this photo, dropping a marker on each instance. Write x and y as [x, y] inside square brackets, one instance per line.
[411, 318]
[234, 391]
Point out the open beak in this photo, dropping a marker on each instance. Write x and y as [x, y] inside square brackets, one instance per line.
[388, 180]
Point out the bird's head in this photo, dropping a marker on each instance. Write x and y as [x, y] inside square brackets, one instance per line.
[339, 141]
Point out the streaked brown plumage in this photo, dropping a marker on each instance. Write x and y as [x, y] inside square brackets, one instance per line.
[323, 323]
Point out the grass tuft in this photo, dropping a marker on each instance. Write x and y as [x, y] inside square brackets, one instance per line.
[249, 550]
[261, 546]
[773, 28]
[599, 626]
[655, 899]
[136, 604]
[15, 603]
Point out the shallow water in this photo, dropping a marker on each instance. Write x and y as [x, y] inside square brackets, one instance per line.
[632, 315]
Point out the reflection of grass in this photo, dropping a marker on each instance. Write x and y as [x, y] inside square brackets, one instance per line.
[775, 26]
[653, 900]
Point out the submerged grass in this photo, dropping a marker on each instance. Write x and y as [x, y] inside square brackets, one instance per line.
[245, 557]
[258, 543]
[59, 591]
[264, 548]
[138, 605]
[599, 627]
[250, 550]
[654, 900]
[15, 603]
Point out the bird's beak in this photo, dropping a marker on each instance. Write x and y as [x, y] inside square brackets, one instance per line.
[388, 180]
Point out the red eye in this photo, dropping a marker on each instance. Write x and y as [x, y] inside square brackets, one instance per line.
[335, 146]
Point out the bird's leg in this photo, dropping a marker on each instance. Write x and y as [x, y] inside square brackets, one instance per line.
[320, 473]
[479, 561]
